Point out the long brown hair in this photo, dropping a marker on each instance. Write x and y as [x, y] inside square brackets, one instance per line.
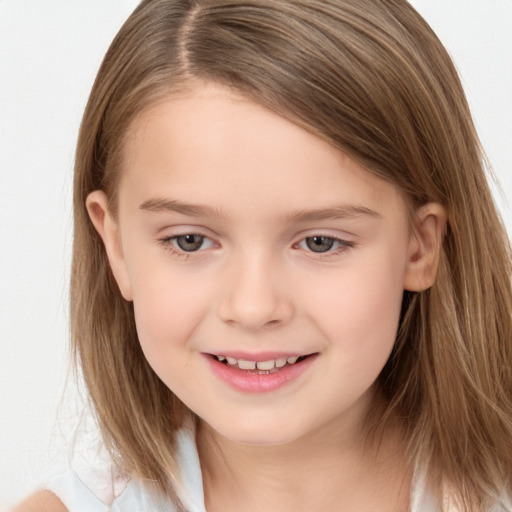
[371, 77]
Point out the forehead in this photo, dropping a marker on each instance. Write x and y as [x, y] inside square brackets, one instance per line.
[211, 143]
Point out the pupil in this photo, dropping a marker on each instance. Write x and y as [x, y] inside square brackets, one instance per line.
[319, 243]
[190, 243]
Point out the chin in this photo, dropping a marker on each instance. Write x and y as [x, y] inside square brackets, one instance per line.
[258, 434]
[258, 440]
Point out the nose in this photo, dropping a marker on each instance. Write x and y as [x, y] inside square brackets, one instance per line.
[255, 295]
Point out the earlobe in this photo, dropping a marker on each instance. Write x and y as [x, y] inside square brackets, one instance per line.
[108, 229]
[425, 247]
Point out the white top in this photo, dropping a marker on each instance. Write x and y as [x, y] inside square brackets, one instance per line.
[99, 490]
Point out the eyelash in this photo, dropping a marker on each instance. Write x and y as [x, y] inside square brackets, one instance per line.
[343, 245]
[169, 241]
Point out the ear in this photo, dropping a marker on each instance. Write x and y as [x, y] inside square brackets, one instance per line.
[108, 229]
[429, 226]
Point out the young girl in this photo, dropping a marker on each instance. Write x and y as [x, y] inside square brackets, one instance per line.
[291, 289]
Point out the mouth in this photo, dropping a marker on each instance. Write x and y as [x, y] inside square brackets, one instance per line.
[266, 367]
[260, 373]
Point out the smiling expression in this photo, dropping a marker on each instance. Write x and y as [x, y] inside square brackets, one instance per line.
[266, 268]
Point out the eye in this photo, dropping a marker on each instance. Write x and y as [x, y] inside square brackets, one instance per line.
[321, 244]
[188, 243]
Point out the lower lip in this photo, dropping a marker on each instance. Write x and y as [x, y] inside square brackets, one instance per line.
[251, 382]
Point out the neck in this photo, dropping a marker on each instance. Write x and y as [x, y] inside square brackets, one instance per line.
[329, 470]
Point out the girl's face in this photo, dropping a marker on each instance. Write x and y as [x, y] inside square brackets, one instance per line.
[266, 267]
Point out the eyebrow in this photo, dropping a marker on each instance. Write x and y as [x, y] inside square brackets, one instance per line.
[171, 205]
[159, 205]
[334, 213]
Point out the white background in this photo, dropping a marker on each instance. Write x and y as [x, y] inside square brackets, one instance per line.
[49, 53]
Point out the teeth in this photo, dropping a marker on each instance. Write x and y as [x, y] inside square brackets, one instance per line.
[246, 365]
[265, 365]
[260, 365]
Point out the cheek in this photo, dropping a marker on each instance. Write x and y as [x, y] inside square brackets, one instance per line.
[360, 313]
[168, 307]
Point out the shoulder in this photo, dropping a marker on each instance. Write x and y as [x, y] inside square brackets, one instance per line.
[41, 501]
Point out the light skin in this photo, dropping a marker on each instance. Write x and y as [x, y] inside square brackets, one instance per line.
[297, 250]
[41, 501]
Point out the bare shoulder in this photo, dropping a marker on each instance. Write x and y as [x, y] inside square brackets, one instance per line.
[41, 501]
